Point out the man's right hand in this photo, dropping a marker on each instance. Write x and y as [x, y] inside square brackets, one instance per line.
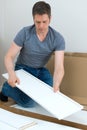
[13, 79]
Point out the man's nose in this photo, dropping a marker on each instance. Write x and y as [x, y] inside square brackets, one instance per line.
[41, 25]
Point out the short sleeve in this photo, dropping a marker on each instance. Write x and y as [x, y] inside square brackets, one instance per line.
[20, 37]
[59, 43]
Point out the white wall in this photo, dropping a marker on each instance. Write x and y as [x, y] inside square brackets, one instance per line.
[2, 46]
[68, 17]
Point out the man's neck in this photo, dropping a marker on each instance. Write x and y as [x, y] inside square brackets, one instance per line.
[41, 36]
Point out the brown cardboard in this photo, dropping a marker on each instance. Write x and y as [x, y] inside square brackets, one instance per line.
[74, 83]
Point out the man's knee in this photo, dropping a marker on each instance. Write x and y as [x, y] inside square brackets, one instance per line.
[5, 88]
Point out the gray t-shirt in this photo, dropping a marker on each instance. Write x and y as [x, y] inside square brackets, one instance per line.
[35, 53]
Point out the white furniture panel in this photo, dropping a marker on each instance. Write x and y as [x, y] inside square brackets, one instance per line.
[57, 103]
[12, 121]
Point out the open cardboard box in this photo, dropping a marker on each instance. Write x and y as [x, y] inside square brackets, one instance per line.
[74, 83]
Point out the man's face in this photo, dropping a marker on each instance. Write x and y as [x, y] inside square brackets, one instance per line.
[41, 22]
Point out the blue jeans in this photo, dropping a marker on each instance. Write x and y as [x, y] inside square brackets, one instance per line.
[17, 95]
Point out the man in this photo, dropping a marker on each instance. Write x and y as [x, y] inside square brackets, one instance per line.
[34, 44]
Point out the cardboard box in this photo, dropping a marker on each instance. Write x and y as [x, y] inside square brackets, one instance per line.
[74, 83]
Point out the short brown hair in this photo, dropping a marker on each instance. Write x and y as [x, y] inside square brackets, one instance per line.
[41, 8]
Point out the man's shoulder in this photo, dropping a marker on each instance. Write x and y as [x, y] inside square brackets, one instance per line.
[29, 28]
[55, 33]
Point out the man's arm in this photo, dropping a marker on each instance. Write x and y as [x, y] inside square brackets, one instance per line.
[9, 63]
[58, 70]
